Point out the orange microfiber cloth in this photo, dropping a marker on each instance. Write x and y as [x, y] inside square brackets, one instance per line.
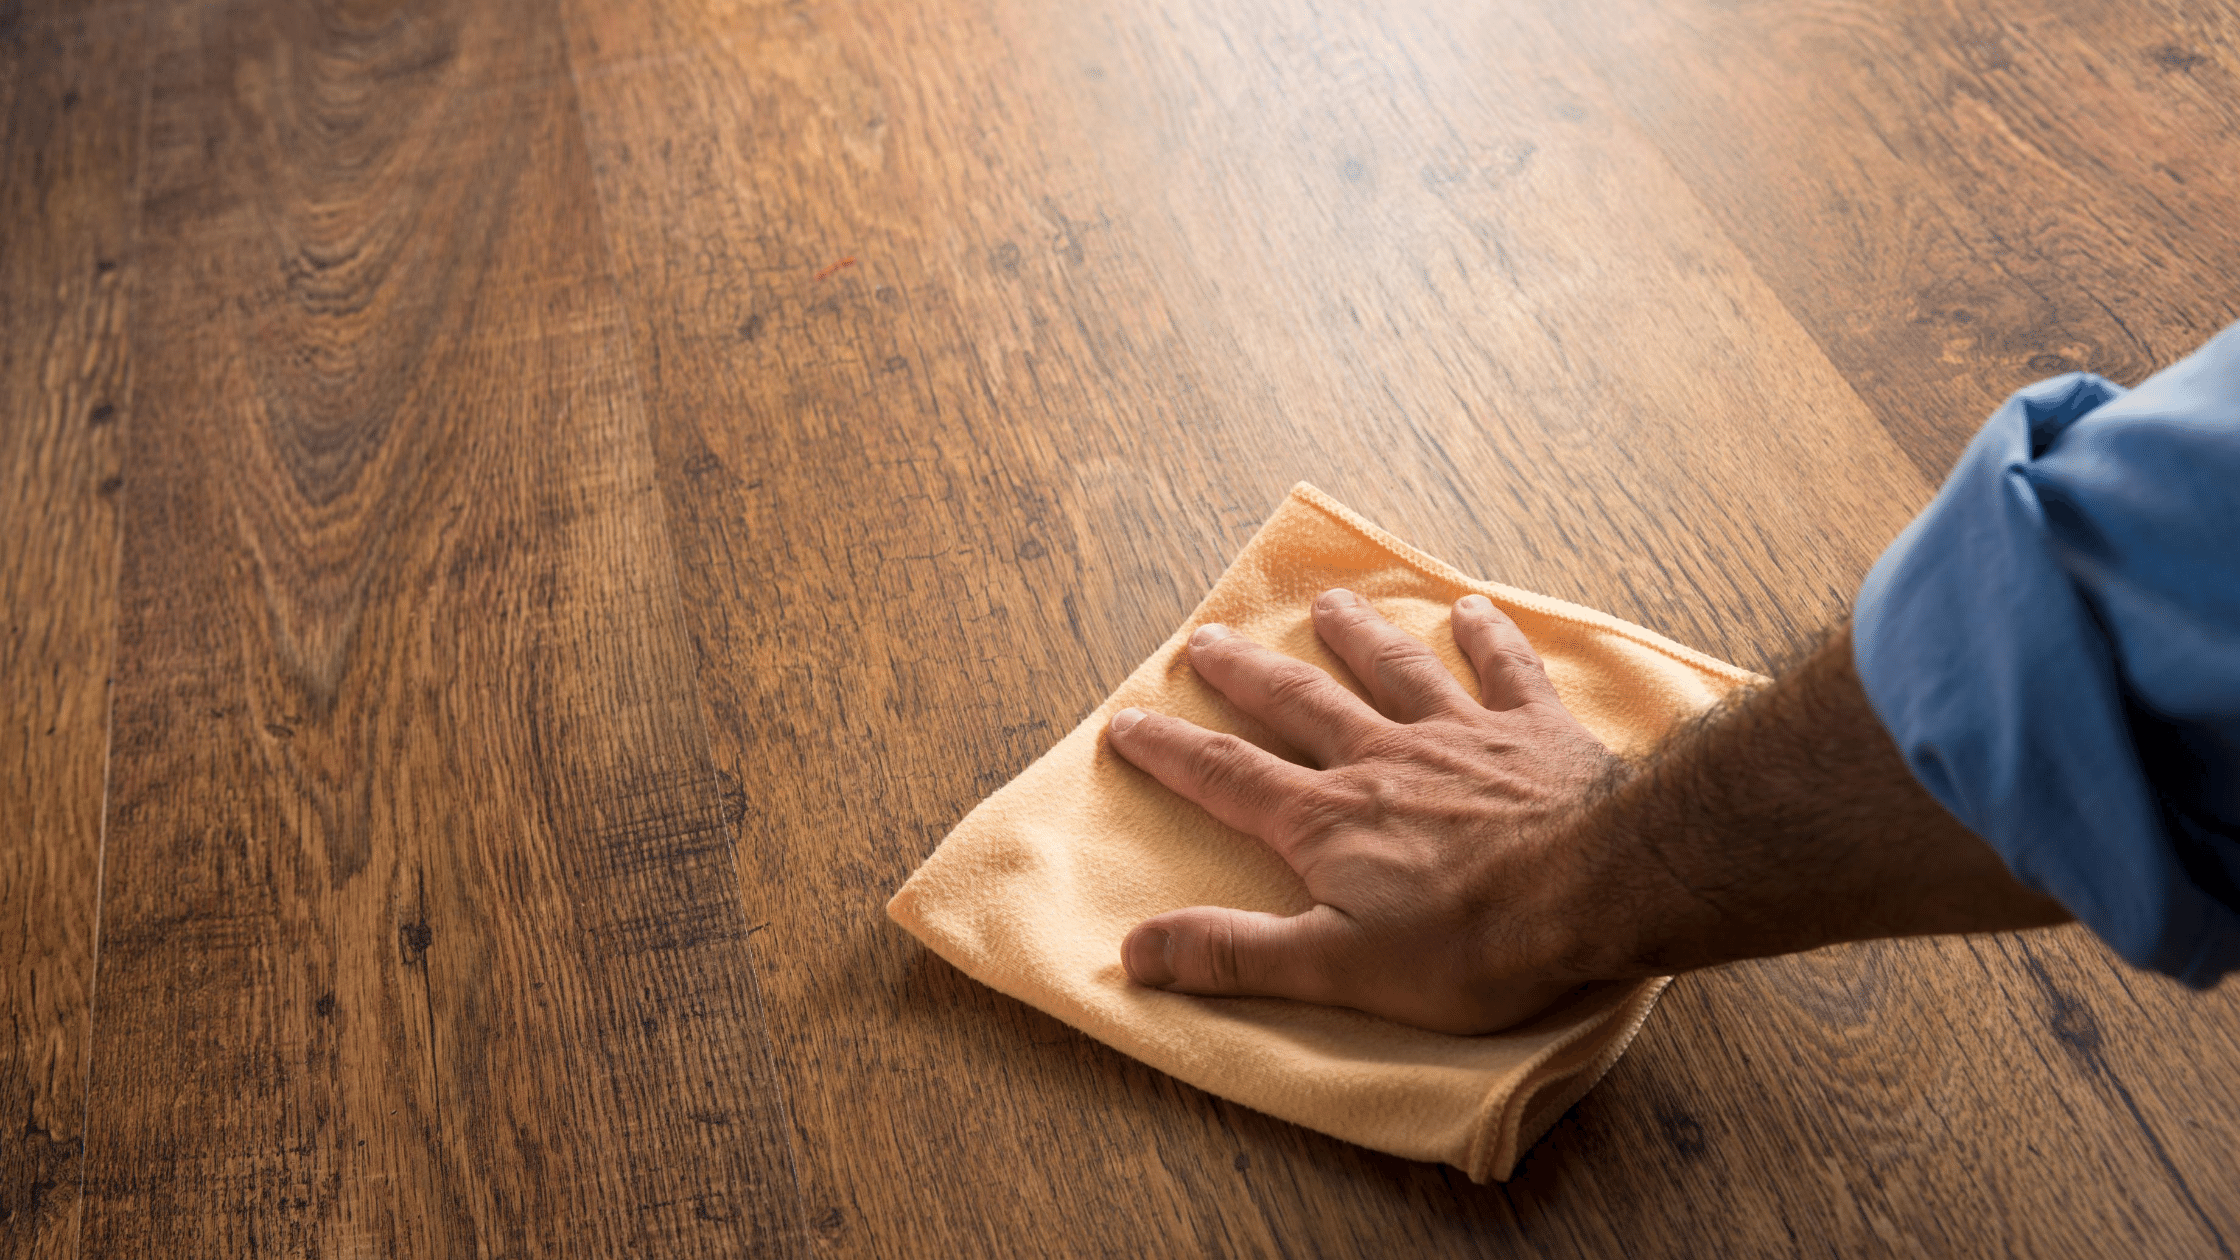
[1035, 889]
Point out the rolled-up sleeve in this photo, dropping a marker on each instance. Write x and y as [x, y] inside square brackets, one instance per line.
[2055, 646]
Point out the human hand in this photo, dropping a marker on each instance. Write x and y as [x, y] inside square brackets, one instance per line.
[1431, 832]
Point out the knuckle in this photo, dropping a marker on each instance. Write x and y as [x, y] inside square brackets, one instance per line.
[1294, 684]
[1217, 954]
[1334, 801]
[1393, 743]
[1514, 658]
[1411, 666]
[1222, 760]
[1516, 650]
[1397, 651]
[1303, 816]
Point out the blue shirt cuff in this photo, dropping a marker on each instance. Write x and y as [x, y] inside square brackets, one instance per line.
[2003, 678]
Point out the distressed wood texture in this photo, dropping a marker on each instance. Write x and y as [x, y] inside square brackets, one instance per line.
[978, 335]
[70, 100]
[421, 934]
[1954, 199]
[608, 481]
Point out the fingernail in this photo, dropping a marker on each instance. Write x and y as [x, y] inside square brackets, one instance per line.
[1209, 633]
[1125, 718]
[1338, 597]
[1475, 603]
[1148, 963]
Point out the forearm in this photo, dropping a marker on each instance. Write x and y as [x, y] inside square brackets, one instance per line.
[1783, 821]
[1466, 866]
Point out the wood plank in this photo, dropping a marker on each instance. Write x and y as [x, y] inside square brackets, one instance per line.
[976, 337]
[1955, 200]
[1121, 271]
[1938, 1116]
[71, 97]
[420, 931]
[1492, 315]
[1956, 203]
[846, 531]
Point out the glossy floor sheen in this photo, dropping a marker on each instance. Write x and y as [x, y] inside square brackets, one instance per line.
[525, 519]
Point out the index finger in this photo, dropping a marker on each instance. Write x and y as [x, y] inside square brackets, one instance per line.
[1242, 785]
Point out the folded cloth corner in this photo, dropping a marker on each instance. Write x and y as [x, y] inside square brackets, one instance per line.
[1034, 890]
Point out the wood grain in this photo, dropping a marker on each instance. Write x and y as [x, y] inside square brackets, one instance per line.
[1956, 202]
[1122, 272]
[1955, 199]
[611, 483]
[71, 103]
[863, 457]
[420, 936]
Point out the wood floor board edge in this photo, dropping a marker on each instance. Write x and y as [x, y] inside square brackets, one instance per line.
[75, 107]
[635, 350]
[370, 992]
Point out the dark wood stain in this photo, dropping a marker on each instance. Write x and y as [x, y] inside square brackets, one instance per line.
[405, 720]
[70, 106]
[577, 497]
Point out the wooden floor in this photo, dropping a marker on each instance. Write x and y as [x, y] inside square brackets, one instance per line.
[524, 520]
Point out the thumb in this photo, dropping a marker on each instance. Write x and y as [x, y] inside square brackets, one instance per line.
[1239, 953]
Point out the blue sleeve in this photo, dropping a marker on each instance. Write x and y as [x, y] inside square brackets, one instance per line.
[2055, 646]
